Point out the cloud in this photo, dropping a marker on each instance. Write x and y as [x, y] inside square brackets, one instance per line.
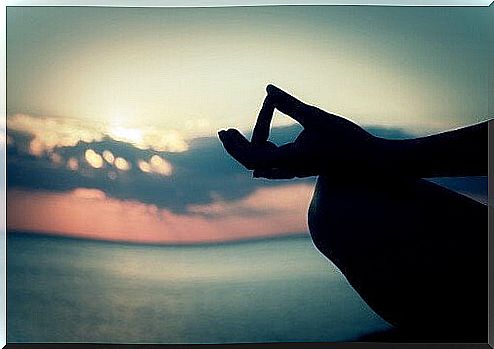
[48, 133]
[165, 179]
[262, 202]
[113, 190]
[90, 213]
[175, 181]
[86, 193]
[150, 138]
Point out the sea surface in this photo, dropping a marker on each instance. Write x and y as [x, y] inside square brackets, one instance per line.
[282, 289]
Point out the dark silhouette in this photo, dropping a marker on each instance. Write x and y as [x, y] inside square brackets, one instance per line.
[415, 252]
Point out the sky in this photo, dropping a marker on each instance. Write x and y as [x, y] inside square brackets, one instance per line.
[112, 113]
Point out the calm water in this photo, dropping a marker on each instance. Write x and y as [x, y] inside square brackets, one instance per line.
[63, 290]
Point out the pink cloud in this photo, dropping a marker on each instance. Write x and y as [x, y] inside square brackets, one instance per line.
[89, 213]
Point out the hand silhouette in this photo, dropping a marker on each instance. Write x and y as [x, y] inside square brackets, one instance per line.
[331, 144]
[327, 143]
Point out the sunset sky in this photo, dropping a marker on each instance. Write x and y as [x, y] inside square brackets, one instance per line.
[112, 113]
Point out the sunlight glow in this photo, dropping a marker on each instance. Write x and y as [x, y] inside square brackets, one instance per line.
[108, 156]
[160, 140]
[87, 193]
[73, 164]
[130, 135]
[144, 166]
[160, 166]
[93, 158]
[36, 147]
[51, 132]
[156, 165]
[122, 164]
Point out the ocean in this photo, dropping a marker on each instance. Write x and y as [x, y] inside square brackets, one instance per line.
[272, 290]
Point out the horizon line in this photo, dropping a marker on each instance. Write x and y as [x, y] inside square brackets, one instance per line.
[245, 3]
[298, 235]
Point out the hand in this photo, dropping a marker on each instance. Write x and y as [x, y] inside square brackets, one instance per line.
[327, 144]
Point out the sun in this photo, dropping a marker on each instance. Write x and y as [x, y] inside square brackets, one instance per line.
[130, 135]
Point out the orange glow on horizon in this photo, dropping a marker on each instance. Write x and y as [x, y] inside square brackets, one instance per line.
[90, 213]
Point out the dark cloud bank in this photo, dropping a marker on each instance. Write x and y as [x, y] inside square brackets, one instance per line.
[200, 174]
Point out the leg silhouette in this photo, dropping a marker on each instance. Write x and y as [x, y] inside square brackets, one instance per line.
[414, 251]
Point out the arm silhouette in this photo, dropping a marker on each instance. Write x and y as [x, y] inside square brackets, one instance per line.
[460, 152]
[331, 144]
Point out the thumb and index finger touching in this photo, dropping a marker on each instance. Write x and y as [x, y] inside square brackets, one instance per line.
[276, 98]
[259, 153]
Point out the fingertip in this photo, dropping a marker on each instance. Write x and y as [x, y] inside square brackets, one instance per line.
[233, 131]
[222, 135]
[270, 88]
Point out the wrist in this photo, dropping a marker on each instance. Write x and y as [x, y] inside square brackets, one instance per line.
[394, 157]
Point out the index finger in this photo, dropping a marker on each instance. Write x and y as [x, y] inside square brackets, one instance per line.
[263, 123]
[305, 114]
